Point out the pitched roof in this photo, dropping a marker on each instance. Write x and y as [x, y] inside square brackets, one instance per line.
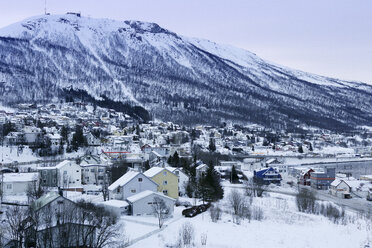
[153, 171]
[144, 194]
[45, 200]
[20, 177]
[124, 179]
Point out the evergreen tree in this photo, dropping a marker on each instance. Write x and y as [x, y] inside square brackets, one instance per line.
[64, 133]
[212, 145]
[210, 188]
[310, 147]
[170, 160]
[78, 139]
[234, 175]
[300, 149]
[176, 159]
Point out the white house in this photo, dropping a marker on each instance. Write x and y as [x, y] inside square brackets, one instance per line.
[141, 203]
[66, 175]
[17, 183]
[183, 179]
[94, 174]
[129, 184]
[201, 170]
[340, 188]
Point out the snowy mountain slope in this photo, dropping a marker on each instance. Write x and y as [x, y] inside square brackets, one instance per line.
[174, 77]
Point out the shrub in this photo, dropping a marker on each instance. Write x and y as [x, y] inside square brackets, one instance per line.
[305, 201]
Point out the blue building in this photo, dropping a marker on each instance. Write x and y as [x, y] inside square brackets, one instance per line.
[267, 176]
[322, 179]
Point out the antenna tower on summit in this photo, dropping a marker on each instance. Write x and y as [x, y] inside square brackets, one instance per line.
[45, 11]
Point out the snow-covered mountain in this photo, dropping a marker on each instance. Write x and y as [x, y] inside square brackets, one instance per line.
[176, 78]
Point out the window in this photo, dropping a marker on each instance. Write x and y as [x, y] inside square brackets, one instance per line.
[91, 170]
[100, 170]
[165, 182]
[86, 169]
[140, 179]
[100, 177]
[77, 179]
[64, 172]
[118, 190]
[164, 173]
[133, 190]
[177, 172]
[165, 192]
[9, 186]
[77, 170]
[150, 203]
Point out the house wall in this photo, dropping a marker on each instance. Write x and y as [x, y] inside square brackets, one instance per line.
[182, 182]
[49, 177]
[94, 174]
[172, 183]
[10, 188]
[144, 206]
[70, 175]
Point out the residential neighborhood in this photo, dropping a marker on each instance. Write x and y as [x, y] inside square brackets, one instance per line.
[74, 155]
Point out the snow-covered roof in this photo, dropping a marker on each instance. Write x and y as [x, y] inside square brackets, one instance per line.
[115, 203]
[58, 166]
[336, 182]
[45, 200]
[153, 171]
[20, 177]
[201, 166]
[124, 179]
[144, 194]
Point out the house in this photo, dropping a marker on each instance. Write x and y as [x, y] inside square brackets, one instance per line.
[56, 220]
[17, 183]
[267, 176]
[92, 140]
[94, 174]
[340, 188]
[167, 181]
[183, 179]
[66, 175]
[201, 170]
[304, 177]
[141, 203]
[322, 179]
[129, 184]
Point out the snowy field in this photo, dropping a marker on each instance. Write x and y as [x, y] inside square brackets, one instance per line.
[282, 226]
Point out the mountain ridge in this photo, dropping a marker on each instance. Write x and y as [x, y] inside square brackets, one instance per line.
[176, 78]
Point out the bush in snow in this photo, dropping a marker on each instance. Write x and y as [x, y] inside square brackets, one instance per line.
[257, 213]
[215, 212]
[305, 201]
[203, 239]
[240, 206]
[186, 234]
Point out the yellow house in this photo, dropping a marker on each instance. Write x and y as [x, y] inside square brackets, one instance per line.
[167, 180]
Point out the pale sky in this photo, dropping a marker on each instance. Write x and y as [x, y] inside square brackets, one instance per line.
[328, 37]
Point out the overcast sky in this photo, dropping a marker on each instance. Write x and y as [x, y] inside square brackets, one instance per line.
[327, 37]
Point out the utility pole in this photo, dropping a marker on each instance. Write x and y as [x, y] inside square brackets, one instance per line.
[45, 10]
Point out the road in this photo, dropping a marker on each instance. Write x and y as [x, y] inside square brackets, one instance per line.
[354, 204]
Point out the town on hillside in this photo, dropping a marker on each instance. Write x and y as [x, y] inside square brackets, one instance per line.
[78, 175]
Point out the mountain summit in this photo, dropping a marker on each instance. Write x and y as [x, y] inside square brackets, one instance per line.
[144, 66]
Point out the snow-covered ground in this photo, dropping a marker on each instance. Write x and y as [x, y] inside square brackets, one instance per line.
[283, 226]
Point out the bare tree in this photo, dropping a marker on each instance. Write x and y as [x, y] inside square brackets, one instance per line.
[160, 210]
[186, 234]
[253, 189]
[305, 200]
[215, 212]
[34, 191]
[240, 206]
[14, 222]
